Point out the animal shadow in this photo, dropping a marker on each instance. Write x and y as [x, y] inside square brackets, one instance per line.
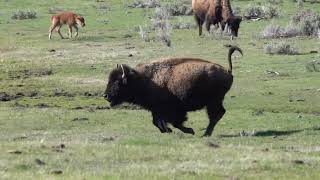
[268, 133]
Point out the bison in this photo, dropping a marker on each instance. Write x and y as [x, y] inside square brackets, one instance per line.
[228, 18]
[69, 18]
[171, 87]
[213, 12]
[208, 11]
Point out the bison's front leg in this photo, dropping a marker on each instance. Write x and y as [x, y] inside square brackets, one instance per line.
[76, 28]
[160, 124]
[184, 129]
[70, 31]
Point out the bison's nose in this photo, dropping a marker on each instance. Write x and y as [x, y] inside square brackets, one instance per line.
[106, 97]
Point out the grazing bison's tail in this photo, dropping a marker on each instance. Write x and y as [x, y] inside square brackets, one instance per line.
[231, 51]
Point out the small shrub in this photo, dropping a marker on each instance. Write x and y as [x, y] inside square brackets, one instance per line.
[313, 66]
[162, 26]
[262, 12]
[314, 1]
[145, 4]
[275, 2]
[300, 3]
[276, 31]
[272, 31]
[281, 48]
[144, 34]
[252, 12]
[21, 15]
[308, 21]
[292, 31]
[55, 10]
[270, 12]
[103, 8]
[179, 9]
[182, 24]
[303, 23]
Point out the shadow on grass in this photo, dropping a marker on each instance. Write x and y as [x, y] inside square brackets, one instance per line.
[97, 38]
[271, 133]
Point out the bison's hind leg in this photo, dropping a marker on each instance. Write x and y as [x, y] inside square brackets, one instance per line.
[200, 22]
[178, 121]
[215, 113]
[160, 123]
[58, 30]
[183, 128]
[76, 28]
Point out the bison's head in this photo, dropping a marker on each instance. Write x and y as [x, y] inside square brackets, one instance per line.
[118, 87]
[80, 21]
[234, 25]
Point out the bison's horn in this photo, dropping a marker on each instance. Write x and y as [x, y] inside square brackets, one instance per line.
[123, 74]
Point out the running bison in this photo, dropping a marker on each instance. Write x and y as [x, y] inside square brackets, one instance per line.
[171, 87]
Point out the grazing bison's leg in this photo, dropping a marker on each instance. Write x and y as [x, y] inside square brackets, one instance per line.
[223, 25]
[215, 113]
[209, 21]
[199, 22]
[58, 30]
[160, 124]
[52, 27]
[75, 27]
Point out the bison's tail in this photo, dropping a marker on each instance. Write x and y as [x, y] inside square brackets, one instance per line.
[231, 51]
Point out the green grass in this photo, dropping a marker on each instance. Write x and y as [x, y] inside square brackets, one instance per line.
[280, 114]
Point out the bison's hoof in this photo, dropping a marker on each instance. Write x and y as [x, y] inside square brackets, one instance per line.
[206, 135]
[190, 131]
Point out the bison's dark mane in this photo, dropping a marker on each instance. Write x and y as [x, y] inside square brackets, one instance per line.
[144, 92]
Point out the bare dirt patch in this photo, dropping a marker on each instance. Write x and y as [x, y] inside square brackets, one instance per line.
[6, 97]
[27, 73]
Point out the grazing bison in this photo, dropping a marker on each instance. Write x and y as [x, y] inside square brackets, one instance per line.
[208, 11]
[69, 18]
[171, 87]
[228, 18]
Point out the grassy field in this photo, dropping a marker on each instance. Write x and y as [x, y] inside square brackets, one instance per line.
[54, 122]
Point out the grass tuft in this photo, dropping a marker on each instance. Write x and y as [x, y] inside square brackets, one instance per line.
[21, 15]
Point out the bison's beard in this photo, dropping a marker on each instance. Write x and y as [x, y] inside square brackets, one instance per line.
[114, 103]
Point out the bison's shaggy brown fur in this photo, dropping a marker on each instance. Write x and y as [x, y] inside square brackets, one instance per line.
[171, 87]
[213, 12]
[208, 11]
[69, 18]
